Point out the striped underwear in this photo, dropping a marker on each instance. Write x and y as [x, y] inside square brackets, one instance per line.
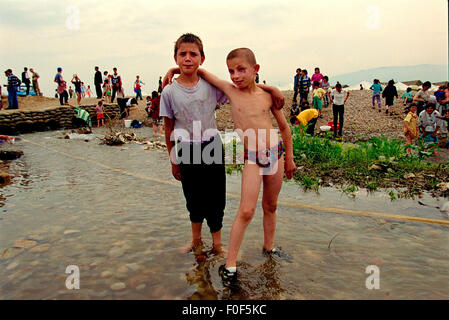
[265, 158]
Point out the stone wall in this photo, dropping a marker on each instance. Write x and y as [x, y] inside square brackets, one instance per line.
[16, 122]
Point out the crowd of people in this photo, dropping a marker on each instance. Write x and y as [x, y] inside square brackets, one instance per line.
[322, 94]
[427, 114]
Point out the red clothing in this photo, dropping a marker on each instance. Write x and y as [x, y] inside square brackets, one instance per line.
[155, 108]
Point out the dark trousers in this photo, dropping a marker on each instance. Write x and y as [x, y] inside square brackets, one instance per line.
[303, 95]
[338, 111]
[295, 95]
[114, 91]
[63, 97]
[311, 126]
[27, 83]
[139, 94]
[12, 98]
[204, 185]
[98, 90]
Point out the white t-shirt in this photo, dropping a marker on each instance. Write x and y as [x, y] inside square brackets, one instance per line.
[338, 98]
[192, 108]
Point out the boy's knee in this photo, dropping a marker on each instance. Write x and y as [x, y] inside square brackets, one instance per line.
[269, 207]
[246, 214]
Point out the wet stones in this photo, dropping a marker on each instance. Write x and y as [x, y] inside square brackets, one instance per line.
[118, 286]
[4, 177]
[41, 248]
[11, 252]
[67, 232]
[24, 244]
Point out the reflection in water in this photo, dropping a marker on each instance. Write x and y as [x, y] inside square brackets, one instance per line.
[200, 275]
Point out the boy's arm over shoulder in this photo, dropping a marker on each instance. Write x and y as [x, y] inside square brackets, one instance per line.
[276, 95]
[221, 84]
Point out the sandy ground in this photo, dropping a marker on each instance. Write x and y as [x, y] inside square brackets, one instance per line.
[360, 120]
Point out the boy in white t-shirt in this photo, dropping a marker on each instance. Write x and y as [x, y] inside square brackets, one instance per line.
[188, 107]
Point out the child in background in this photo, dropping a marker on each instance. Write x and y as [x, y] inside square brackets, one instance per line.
[318, 94]
[88, 91]
[325, 85]
[70, 92]
[138, 87]
[83, 90]
[317, 76]
[377, 89]
[389, 93]
[305, 105]
[157, 120]
[100, 113]
[107, 91]
[411, 131]
[407, 96]
[148, 106]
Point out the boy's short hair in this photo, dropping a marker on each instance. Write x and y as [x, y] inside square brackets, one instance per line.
[148, 97]
[326, 78]
[189, 38]
[248, 54]
[316, 83]
[427, 84]
[409, 89]
[413, 104]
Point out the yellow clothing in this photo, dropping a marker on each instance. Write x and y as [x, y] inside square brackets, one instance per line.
[412, 119]
[307, 115]
[320, 93]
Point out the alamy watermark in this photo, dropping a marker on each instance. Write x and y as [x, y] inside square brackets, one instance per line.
[373, 20]
[373, 281]
[73, 19]
[73, 280]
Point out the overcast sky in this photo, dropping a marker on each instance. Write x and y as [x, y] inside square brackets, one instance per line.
[138, 36]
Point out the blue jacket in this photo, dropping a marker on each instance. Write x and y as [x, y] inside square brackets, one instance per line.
[295, 82]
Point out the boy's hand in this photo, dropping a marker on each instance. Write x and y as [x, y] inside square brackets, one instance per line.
[176, 171]
[169, 76]
[290, 168]
[278, 98]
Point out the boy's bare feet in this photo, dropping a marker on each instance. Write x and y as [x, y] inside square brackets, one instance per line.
[191, 246]
[218, 250]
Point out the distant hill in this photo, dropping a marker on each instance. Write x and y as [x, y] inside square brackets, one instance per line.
[424, 72]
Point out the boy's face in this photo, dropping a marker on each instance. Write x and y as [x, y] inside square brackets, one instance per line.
[242, 73]
[188, 58]
[413, 109]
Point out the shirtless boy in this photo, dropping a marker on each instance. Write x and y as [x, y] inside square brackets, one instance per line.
[264, 160]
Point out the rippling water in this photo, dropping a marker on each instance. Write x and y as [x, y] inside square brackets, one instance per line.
[109, 211]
